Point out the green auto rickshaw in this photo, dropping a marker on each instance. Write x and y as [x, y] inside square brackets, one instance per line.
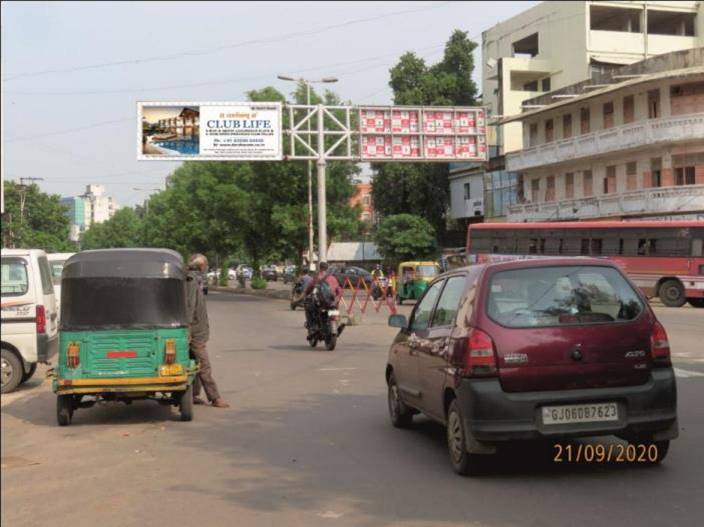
[412, 279]
[123, 333]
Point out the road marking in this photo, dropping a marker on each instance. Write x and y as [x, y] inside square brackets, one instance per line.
[335, 369]
[684, 374]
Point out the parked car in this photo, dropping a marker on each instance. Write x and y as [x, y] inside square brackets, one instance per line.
[56, 264]
[533, 349]
[356, 275]
[269, 273]
[29, 315]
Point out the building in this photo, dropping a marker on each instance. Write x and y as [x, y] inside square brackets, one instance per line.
[78, 216]
[557, 44]
[628, 144]
[101, 207]
[363, 198]
[185, 124]
[466, 192]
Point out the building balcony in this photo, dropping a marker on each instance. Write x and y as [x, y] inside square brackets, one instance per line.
[625, 137]
[650, 201]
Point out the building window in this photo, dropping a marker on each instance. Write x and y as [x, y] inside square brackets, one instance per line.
[628, 109]
[550, 189]
[567, 126]
[588, 184]
[467, 191]
[367, 200]
[545, 84]
[530, 86]
[534, 189]
[569, 185]
[653, 104]
[684, 176]
[533, 134]
[656, 172]
[671, 23]
[608, 113]
[584, 119]
[631, 176]
[549, 131]
[526, 47]
[607, 18]
[610, 180]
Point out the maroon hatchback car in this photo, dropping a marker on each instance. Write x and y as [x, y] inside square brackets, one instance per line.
[546, 348]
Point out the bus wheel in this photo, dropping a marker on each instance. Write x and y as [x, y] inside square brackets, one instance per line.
[696, 302]
[671, 293]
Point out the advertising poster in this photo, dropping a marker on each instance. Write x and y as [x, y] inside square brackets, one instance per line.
[202, 131]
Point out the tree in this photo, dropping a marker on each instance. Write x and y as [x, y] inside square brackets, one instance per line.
[403, 237]
[124, 229]
[42, 224]
[423, 188]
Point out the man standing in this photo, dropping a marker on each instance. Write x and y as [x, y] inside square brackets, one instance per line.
[199, 332]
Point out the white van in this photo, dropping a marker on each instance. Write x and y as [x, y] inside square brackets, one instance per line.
[30, 328]
[56, 264]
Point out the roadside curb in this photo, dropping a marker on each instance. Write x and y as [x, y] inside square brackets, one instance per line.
[266, 293]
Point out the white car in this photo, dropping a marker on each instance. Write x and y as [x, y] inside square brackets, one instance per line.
[30, 328]
[56, 263]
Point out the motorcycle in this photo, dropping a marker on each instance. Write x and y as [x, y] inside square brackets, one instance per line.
[296, 295]
[326, 327]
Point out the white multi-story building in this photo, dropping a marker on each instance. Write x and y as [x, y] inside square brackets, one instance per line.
[627, 145]
[99, 207]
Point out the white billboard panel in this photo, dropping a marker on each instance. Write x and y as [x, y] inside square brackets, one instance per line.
[209, 131]
[422, 133]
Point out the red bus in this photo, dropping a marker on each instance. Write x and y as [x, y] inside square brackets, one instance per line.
[663, 258]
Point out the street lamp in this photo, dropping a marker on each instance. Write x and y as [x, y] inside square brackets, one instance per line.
[146, 201]
[323, 238]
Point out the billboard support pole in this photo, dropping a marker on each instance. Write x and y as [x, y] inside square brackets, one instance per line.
[322, 205]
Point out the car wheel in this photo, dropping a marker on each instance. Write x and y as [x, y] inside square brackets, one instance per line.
[696, 302]
[28, 375]
[401, 415]
[64, 409]
[11, 371]
[463, 462]
[671, 293]
[185, 404]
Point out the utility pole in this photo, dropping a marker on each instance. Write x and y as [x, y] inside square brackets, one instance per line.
[310, 168]
[23, 187]
[146, 201]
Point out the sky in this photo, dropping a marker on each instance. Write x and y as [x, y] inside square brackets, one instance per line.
[72, 72]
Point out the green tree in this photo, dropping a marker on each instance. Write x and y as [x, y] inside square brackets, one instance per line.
[124, 229]
[43, 224]
[423, 188]
[403, 237]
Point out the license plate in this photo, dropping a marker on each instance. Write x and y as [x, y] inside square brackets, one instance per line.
[333, 313]
[580, 413]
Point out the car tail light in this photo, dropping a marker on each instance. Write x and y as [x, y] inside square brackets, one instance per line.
[73, 355]
[41, 319]
[659, 345]
[170, 351]
[479, 359]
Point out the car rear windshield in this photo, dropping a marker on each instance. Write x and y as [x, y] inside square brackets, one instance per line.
[564, 295]
[14, 277]
[426, 270]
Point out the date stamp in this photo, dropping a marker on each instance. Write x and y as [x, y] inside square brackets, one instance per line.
[605, 453]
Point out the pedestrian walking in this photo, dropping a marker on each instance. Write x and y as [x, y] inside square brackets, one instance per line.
[199, 333]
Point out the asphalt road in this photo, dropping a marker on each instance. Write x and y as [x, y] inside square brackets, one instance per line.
[308, 442]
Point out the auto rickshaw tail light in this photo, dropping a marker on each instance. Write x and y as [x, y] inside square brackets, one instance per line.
[170, 351]
[73, 355]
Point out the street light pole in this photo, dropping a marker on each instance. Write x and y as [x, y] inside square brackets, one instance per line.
[322, 225]
[146, 201]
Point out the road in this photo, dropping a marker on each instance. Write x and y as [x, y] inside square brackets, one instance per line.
[307, 442]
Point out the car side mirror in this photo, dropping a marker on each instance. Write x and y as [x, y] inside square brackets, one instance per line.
[398, 321]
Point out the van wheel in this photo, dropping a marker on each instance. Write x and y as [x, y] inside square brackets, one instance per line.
[64, 409]
[671, 293]
[463, 462]
[185, 404]
[11, 371]
[28, 375]
[401, 415]
[696, 302]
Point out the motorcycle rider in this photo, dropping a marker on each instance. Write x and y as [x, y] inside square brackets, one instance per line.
[309, 303]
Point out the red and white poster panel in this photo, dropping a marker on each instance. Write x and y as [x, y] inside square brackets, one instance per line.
[422, 133]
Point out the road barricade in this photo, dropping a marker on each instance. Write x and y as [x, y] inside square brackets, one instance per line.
[363, 296]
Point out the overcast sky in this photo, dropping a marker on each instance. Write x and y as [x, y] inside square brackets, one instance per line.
[73, 71]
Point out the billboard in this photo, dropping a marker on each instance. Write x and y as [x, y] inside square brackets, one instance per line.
[209, 131]
[435, 133]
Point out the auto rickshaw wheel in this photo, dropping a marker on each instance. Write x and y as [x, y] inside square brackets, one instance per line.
[185, 404]
[64, 409]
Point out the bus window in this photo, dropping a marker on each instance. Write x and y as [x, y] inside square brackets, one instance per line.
[610, 246]
[697, 249]
[596, 246]
[646, 247]
[542, 245]
[533, 246]
[620, 246]
[585, 247]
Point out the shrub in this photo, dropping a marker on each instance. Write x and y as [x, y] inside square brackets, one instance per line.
[222, 279]
[241, 279]
[258, 283]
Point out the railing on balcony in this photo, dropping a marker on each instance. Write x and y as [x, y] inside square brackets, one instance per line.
[651, 201]
[633, 135]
